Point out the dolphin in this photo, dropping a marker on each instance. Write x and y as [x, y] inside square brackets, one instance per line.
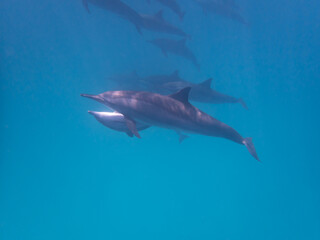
[177, 47]
[157, 23]
[117, 121]
[129, 81]
[201, 92]
[155, 83]
[171, 112]
[174, 6]
[117, 7]
[225, 8]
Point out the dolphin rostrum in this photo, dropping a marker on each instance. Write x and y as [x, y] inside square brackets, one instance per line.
[157, 23]
[171, 112]
[118, 7]
[117, 121]
[177, 47]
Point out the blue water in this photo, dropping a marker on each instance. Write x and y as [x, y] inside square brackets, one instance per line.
[65, 176]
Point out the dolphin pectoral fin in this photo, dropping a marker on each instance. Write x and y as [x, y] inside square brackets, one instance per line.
[164, 52]
[129, 134]
[138, 29]
[132, 127]
[182, 136]
[85, 4]
[240, 100]
[249, 144]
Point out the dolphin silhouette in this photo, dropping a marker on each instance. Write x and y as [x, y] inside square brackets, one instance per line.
[171, 112]
[157, 23]
[117, 7]
[173, 5]
[225, 8]
[177, 47]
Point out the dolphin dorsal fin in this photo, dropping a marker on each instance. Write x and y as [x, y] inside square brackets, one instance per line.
[175, 74]
[159, 14]
[182, 95]
[206, 83]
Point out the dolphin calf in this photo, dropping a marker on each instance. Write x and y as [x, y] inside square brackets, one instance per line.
[118, 7]
[117, 121]
[225, 8]
[157, 23]
[177, 47]
[174, 6]
[171, 112]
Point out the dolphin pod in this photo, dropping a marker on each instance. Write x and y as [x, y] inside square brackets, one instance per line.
[163, 100]
[171, 112]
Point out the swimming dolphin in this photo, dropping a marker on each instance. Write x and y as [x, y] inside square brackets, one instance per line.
[201, 92]
[118, 7]
[177, 47]
[157, 23]
[225, 8]
[129, 81]
[172, 112]
[117, 121]
[155, 83]
[173, 5]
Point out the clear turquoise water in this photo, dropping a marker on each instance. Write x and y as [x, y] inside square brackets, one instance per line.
[65, 176]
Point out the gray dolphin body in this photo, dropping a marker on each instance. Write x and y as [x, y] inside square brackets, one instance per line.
[174, 6]
[172, 112]
[177, 47]
[157, 23]
[202, 92]
[225, 8]
[118, 7]
[129, 81]
[116, 121]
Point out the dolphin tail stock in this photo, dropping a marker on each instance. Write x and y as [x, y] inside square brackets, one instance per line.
[249, 144]
[240, 100]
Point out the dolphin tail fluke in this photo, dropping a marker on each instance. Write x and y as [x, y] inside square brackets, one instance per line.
[249, 144]
[240, 100]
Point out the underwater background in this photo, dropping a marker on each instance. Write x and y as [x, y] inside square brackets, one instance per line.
[63, 175]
